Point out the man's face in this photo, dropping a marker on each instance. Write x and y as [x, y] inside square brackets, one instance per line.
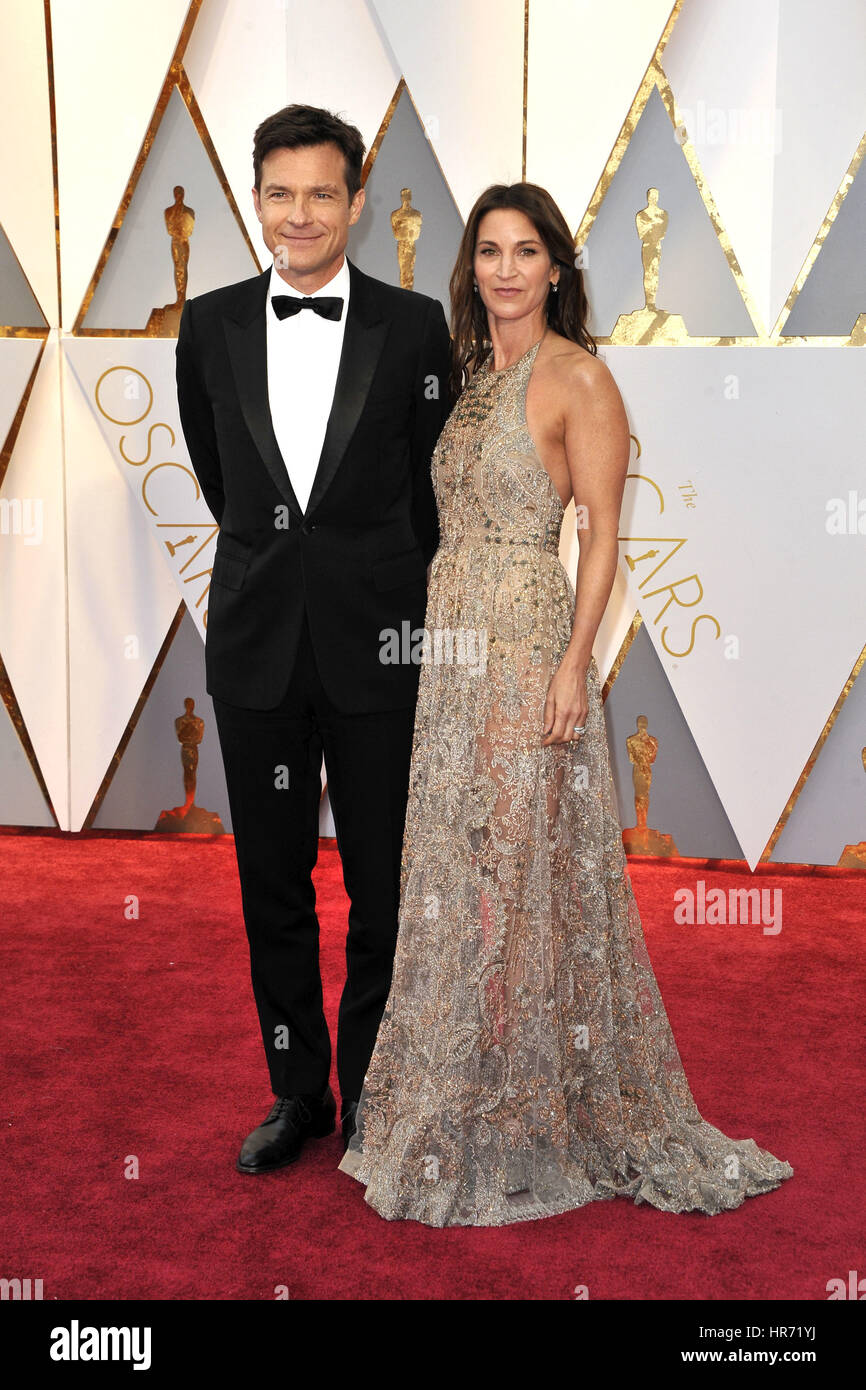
[303, 206]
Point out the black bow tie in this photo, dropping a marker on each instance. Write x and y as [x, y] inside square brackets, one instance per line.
[329, 306]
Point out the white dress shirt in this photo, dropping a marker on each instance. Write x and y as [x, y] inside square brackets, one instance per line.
[303, 359]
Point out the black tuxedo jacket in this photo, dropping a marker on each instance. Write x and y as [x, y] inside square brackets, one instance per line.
[356, 558]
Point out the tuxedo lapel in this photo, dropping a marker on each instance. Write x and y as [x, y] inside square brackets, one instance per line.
[363, 340]
[246, 337]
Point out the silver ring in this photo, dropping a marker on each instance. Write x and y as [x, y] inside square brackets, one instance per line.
[580, 728]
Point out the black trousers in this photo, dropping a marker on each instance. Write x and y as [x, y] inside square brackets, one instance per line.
[272, 761]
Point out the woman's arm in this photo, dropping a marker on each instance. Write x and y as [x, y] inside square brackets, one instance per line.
[596, 439]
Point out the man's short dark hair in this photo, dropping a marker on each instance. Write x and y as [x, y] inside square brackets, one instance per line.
[297, 126]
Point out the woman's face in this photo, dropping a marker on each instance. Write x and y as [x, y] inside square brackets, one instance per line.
[511, 264]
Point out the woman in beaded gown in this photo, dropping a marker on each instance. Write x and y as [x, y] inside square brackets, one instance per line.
[525, 1064]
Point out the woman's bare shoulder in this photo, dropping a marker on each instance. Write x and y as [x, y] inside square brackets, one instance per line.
[574, 369]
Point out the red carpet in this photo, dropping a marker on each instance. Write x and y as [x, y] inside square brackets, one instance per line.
[137, 1040]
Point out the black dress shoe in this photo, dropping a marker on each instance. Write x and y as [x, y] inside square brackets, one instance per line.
[281, 1136]
[348, 1120]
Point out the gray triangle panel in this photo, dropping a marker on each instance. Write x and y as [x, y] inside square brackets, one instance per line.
[833, 295]
[405, 159]
[695, 279]
[149, 779]
[684, 802]
[830, 811]
[18, 304]
[21, 798]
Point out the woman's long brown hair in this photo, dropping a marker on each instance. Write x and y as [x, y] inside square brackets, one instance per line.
[567, 308]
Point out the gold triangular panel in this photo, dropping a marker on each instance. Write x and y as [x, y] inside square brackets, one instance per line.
[146, 775]
[824, 821]
[412, 239]
[652, 246]
[24, 798]
[685, 812]
[832, 296]
[18, 305]
[179, 234]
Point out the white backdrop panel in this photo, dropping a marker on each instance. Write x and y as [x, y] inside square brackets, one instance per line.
[463, 63]
[121, 595]
[576, 100]
[721, 61]
[130, 391]
[773, 99]
[822, 96]
[110, 62]
[248, 58]
[33, 585]
[763, 464]
[17, 356]
[27, 183]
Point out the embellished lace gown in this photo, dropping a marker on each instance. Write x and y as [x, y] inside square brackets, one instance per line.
[525, 1064]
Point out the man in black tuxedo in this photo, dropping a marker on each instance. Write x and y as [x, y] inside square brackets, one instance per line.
[310, 423]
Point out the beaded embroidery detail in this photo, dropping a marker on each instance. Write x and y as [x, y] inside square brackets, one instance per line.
[525, 1064]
